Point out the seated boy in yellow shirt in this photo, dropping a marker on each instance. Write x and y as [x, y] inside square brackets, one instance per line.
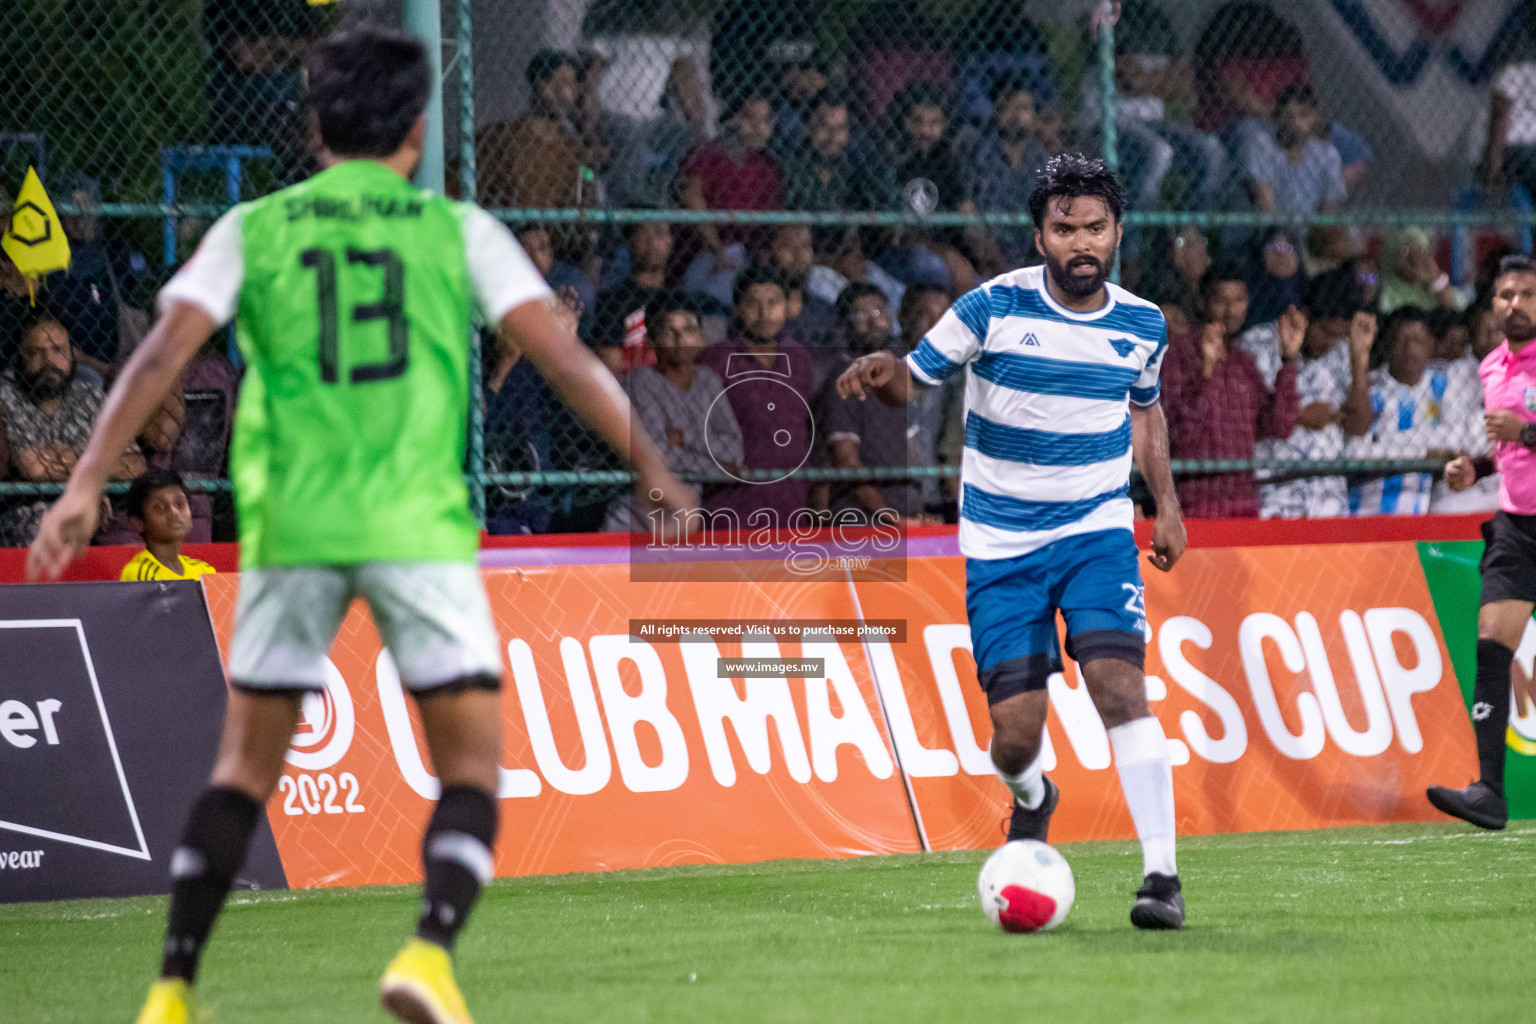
[157, 499]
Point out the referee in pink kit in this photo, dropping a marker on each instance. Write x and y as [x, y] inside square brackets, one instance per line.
[1509, 561]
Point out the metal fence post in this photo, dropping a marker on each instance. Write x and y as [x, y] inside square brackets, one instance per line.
[464, 55]
[423, 19]
[1104, 17]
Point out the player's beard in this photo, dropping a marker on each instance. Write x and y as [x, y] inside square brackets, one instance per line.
[1518, 328]
[1072, 285]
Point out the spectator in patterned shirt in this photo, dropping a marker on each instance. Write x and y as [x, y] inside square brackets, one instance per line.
[1333, 390]
[48, 410]
[1219, 404]
[676, 400]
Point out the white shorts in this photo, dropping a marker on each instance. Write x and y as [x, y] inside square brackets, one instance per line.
[433, 617]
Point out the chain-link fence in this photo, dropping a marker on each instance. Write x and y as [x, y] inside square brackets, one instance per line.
[877, 157]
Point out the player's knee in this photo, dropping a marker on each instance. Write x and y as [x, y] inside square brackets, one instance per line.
[258, 727]
[1501, 626]
[244, 774]
[1006, 681]
[1014, 741]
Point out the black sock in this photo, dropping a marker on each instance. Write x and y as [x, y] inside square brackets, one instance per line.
[1490, 710]
[457, 853]
[202, 868]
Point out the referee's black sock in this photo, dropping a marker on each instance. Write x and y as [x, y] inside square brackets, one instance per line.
[457, 852]
[1490, 710]
[202, 868]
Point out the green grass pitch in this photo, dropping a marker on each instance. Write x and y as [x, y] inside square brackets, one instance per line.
[1397, 924]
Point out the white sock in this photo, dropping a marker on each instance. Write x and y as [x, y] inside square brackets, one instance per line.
[1027, 787]
[1146, 778]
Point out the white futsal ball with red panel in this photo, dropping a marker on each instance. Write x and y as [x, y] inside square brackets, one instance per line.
[1026, 886]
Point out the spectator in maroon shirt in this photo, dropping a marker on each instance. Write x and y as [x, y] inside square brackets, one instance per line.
[768, 380]
[1217, 402]
[734, 172]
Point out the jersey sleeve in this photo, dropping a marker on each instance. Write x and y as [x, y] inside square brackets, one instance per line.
[955, 340]
[211, 279]
[1147, 389]
[502, 275]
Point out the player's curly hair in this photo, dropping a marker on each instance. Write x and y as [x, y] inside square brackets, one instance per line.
[1516, 263]
[1074, 176]
[367, 86]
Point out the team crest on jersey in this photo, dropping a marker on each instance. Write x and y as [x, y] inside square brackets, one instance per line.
[1530, 399]
[1030, 339]
[1122, 346]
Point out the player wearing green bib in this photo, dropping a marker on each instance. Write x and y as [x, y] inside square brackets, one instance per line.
[353, 309]
[352, 295]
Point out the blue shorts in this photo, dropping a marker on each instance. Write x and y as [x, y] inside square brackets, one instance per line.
[1093, 579]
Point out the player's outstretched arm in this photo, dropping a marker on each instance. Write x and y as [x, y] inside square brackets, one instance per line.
[1149, 446]
[883, 373]
[140, 391]
[588, 387]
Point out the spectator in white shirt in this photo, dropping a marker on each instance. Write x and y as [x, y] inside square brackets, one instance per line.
[1408, 420]
[1458, 352]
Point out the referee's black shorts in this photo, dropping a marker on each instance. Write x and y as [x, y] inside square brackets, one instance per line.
[1509, 558]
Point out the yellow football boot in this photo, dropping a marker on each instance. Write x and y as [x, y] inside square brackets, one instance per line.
[170, 1002]
[418, 986]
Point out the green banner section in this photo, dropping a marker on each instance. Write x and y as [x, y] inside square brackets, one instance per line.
[1450, 568]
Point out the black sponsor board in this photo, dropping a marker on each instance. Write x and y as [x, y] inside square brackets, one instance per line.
[111, 702]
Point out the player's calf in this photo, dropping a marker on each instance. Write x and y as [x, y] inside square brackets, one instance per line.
[257, 730]
[1118, 688]
[458, 859]
[212, 850]
[1017, 749]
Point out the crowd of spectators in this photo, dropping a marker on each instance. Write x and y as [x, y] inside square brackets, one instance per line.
[1286, 345]
[63, 339]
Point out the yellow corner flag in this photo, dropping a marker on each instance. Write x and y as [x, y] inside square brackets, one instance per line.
[35, 241]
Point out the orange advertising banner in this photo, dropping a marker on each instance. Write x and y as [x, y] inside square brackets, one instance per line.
[1299, 687]
[618, 753]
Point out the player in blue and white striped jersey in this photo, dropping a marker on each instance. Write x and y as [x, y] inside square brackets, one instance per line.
[1061, 392]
